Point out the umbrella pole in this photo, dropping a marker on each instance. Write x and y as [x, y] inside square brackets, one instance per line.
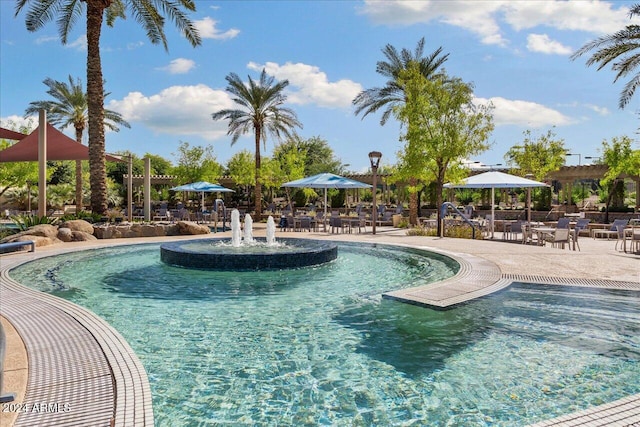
[493, 216]
[324, 219]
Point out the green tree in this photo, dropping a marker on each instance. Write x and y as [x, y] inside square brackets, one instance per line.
[70, 108]
[241, 169]
[393, 94]
[14, 174]
[290, 163]
[159, 165]
[196, 164]
[262, 112]
[65, 13]
[443, 126]
[538, 156]
[621, 160]
[621, 50]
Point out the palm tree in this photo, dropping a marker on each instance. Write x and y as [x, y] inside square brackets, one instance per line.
[393, 94]
[70, 109]
[617, 46]
[262, 112]
[65, 13]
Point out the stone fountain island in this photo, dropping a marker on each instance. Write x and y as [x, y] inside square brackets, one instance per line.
[248, 253]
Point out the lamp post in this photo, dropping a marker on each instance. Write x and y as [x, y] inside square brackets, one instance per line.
[374, 158]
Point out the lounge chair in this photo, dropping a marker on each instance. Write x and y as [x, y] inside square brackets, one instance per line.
[616, 230]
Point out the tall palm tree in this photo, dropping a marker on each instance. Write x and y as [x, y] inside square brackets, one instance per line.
[393, 94]
[618, 46]
[261, 112]
[70, 109]
[65, 13]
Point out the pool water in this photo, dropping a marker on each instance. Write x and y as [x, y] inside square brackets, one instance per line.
[319, 346]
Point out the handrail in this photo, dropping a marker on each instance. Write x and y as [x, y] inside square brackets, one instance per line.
[443, 212]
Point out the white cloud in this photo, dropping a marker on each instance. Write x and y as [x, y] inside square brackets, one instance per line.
[79, 44]
[603, 111]
[476, 16]
[524, 113]
[179, 66]
[207, 29]
[177, 110]
[309, 85]
[47, 39]
[485, 18]
[16, 122]
[591, 16]
[134, 45]
[542, 43]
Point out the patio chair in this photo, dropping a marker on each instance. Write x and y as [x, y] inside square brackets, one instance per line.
[304, 223]
[514, 230]
[582, 225]
[336, 224]
[634, 239]
[385, 219]
[560, 237]
[563, 222]
[161, 214]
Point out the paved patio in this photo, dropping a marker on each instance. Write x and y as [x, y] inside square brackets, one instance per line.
[111, 388]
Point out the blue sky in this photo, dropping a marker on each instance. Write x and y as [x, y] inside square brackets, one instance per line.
[515, 53]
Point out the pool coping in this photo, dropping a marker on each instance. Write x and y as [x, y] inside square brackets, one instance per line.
[131, 395]
[79, 367]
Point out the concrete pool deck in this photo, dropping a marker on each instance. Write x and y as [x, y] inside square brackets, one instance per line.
[114, 388]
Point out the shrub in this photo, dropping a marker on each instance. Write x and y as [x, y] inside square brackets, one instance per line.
[26, 221]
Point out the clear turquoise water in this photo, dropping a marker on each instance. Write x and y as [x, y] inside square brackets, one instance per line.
[318, 346]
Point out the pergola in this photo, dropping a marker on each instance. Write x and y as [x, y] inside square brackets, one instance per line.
[567, 175]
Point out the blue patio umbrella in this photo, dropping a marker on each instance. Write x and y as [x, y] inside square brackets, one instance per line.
[203, 187]
[326, 181]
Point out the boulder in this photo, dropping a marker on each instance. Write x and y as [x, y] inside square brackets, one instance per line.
[65, 234]
[188, 227]
[41, 230]
[81, 236]
[78, 225]
[39, 240]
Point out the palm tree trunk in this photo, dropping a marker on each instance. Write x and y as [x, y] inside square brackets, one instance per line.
[95, 104]
[258, 187]
[79, 132]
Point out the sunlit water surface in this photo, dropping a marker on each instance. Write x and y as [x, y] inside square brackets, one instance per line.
[318, 346]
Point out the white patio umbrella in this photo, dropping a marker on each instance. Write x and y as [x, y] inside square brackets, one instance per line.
[203, 187]
[326, 181]
[493, 180]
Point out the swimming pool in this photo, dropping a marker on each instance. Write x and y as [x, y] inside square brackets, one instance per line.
[319, 346]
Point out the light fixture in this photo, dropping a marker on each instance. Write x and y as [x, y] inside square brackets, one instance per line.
[374, 158]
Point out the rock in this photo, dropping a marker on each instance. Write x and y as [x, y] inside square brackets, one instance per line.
[78, 225]
[65, 234]
[81, 236]
[42, 230]
[188, 227]
[39, 240]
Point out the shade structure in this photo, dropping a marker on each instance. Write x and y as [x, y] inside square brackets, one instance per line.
[203, 187]
[493, 180]
[326, 181]
[10, 134]
[59, 147]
